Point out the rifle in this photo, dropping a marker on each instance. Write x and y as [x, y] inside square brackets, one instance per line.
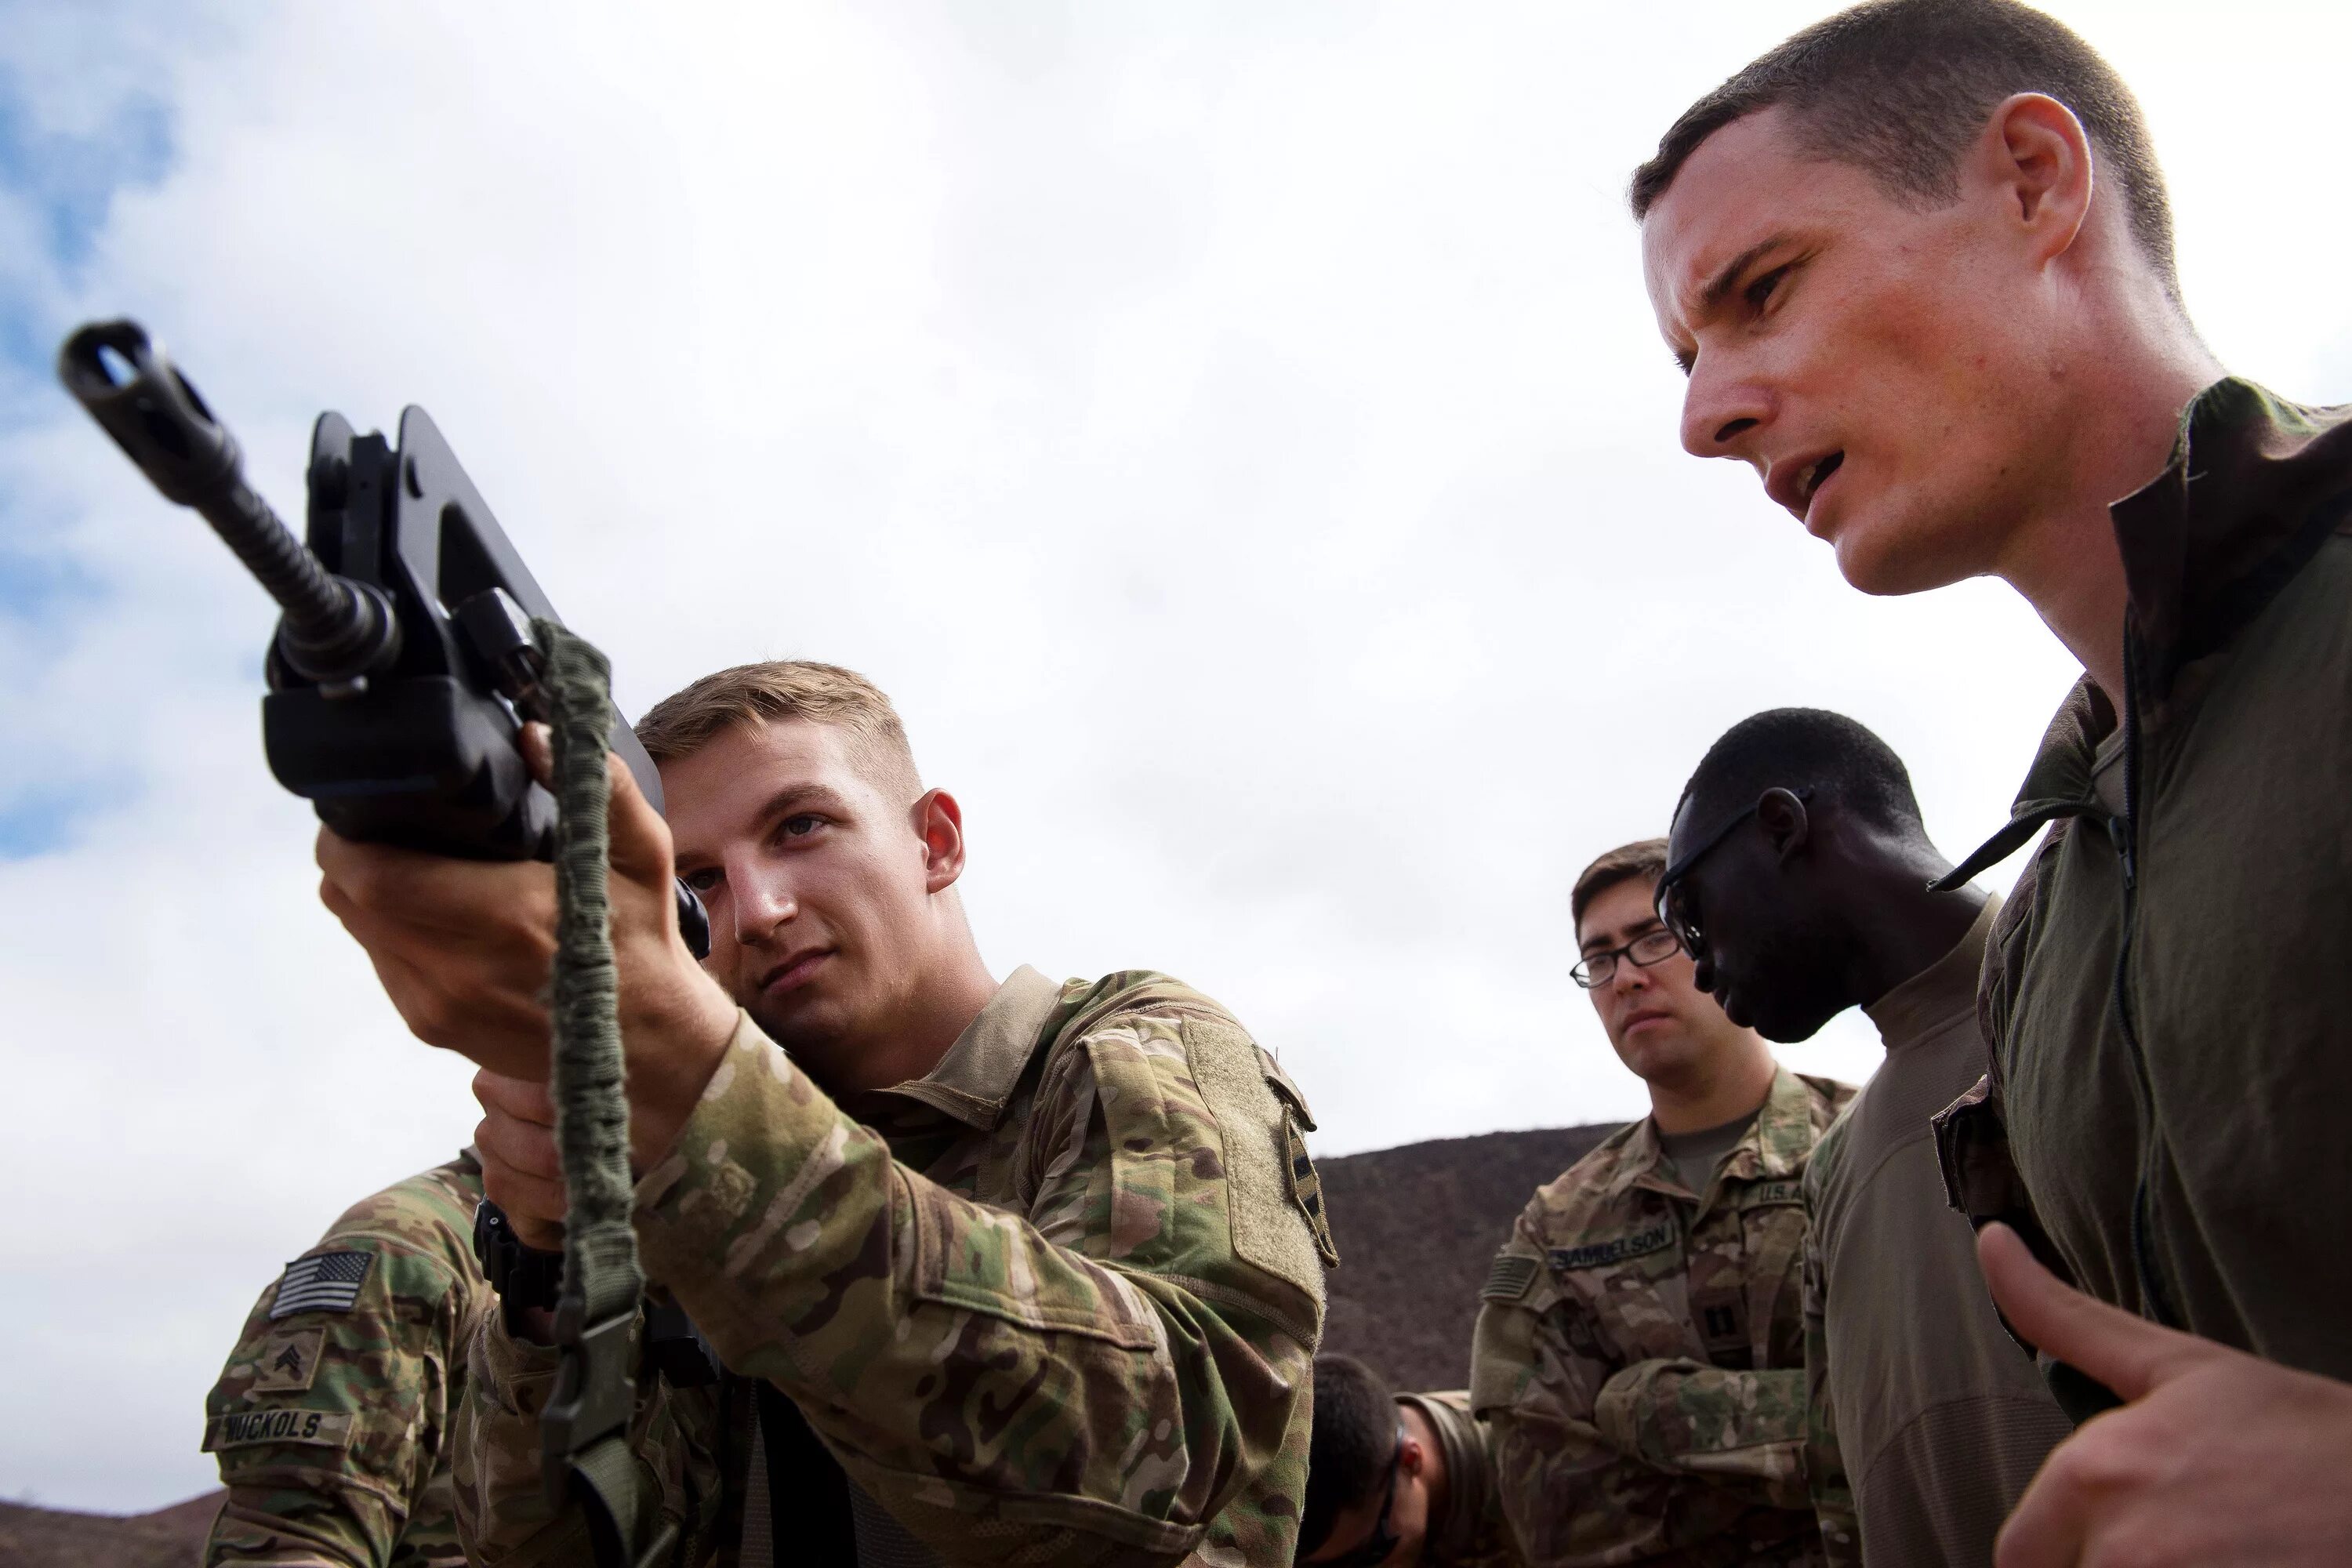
[411, 646]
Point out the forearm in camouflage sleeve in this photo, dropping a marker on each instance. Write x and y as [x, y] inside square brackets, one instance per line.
[1824, 1465]
[1575, 1499]
[503, 1517]
[1093, 1381]
[323, 1523]
[1686, 1416]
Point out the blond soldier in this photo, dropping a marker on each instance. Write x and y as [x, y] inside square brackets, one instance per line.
[1641, 1350]
[1021, 1271]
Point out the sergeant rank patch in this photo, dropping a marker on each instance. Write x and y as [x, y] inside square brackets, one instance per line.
[322, 1283]
[288, 1361]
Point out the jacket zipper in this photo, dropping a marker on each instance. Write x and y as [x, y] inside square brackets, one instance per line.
[2123, 832]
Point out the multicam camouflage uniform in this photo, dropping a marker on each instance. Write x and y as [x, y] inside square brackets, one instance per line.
[1473, 1532]
[333, 1416]
[1057, 1302]
[1641, 1353]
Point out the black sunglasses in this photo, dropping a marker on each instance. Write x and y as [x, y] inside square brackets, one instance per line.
[1674, 910]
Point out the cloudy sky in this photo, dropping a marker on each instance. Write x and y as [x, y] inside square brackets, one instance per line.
[1234, 433]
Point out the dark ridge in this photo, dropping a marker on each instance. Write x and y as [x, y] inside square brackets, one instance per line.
[1417, 1227]
[50, 1538]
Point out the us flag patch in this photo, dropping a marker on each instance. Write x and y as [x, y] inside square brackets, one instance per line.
[324, 1282]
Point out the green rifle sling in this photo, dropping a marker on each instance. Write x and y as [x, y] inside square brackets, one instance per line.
[584, 1428]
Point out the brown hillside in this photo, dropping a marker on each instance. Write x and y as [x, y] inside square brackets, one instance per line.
[49, 1538]
[1417, 1227]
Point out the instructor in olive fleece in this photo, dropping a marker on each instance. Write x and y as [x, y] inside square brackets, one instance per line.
[1927, 1421]
[1917, 264]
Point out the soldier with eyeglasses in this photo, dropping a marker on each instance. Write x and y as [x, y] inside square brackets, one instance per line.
[1640, 1351]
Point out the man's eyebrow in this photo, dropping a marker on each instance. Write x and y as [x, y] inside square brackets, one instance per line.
[804, 794]
[1599, 941]
[1728, 275]
[799, 796]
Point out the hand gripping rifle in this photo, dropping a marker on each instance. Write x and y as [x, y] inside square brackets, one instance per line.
[411, 646]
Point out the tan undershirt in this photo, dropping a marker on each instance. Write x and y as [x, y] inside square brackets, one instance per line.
[1941, 1418]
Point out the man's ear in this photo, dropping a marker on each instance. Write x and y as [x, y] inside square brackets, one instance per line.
[939, 822]
[1411, 1457]
[2039, 158]
[1786, 826]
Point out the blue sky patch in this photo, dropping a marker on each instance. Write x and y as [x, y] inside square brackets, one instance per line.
[42, 589]
[47, 819]
[68, 182]
[72, 179]
[61, 184]
[65, 181]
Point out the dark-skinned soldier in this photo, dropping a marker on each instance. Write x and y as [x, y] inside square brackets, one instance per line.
[1928, 1421]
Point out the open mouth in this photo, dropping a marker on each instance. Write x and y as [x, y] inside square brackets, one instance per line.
[1819, 475]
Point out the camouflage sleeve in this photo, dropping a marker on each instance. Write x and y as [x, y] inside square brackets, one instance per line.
[1824, 1466]
[1687, 1416]
[1572, 1496]
[503, 1515]
[330, 1420]
[1117, 1373]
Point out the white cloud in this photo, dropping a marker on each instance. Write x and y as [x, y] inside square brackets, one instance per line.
[1236, 434]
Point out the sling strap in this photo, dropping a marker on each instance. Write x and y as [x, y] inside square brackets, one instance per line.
[583, 1430]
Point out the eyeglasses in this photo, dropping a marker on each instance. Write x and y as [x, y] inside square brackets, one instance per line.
[1653, 946]
[1676, 911]
[1379, 1543]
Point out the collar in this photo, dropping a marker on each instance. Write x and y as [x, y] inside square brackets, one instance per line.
[2252, 487]
[1939, 992]
[2253, 484]
[1776, 1147]
[977, 1077]
[1453, 1532]
[2061, 783]
[1773, 1147]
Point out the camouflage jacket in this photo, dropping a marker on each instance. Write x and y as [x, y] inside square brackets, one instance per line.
[332, 1417]
[1056, 1302]
[1640, 1352]
[1474, 1533]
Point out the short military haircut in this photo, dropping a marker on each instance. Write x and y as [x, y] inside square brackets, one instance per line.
[1899, 88]
[1646, 859]
[1805, 748]
[1354, 1439]
[682, 725]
